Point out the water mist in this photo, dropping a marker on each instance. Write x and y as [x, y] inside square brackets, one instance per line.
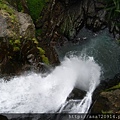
[33, 93]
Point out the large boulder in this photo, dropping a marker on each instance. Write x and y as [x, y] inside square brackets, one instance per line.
[27, 28]
[15, 24]
[18, 45]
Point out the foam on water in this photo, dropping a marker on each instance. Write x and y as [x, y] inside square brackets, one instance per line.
[33, 93]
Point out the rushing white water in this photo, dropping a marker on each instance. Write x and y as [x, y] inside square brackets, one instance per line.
[33, 93]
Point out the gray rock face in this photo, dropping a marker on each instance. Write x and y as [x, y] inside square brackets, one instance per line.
[16, 26]
[27, 28]
[3, 26]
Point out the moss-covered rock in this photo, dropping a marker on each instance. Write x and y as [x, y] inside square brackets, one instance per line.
[33, 7]
[18, 44]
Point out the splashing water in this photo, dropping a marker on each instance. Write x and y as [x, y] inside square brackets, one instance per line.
[36, 94]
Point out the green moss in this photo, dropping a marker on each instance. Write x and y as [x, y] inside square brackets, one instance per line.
[35, 7]
[11, 42]
[20, 37]
[15, 49]
[20, 7]
[9, 10]
[42, 52]
[17, 42]
[118, 41]
[35, 41]
[38, 32]
[10, 57]
[114, 87]
[45, 59]
[17, 4]
[107, 112]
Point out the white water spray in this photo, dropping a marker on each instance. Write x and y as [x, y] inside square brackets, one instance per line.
[36, 94]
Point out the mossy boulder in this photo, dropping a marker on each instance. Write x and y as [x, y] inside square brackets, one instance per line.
[32, 7]
[18, 44]
[15, 24]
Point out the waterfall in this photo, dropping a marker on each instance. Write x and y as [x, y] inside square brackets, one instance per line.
[33, 93]
[88, 79]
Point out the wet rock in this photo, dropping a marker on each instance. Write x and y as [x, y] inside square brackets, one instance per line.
[18, 45]
[68, 17]
[76, 94]
[107, 102]
[72, 16]
[52, 55]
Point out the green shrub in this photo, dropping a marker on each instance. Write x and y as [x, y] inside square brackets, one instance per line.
[113, 10]
[35, 8]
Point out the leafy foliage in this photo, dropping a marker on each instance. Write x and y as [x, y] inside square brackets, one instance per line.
[35, 7]
[113, 9]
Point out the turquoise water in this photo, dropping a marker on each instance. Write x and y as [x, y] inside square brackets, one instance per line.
[101, 46]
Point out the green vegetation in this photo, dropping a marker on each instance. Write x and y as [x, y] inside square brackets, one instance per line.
[113, 9]
[17, 48]
[35, 41]
[9, 10]
[107, 112]
[38, 32]
[114, 87]
[35, 7]
[45, 59]
[42, 52]
[17, 4]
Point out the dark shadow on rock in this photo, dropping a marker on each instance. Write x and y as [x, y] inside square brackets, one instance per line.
[3, 117]
[76, 94]
[99, 101]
